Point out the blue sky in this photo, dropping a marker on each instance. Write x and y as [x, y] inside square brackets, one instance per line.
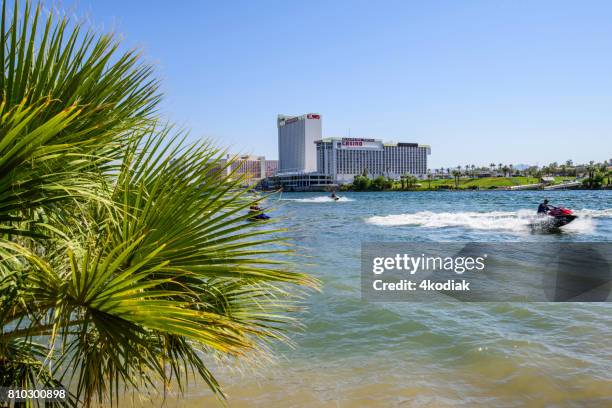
[480, 81]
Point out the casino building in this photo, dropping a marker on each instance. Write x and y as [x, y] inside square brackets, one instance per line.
[344, 158]
[296, 137]
[307, 161]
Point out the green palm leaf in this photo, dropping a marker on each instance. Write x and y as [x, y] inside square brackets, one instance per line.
[126, 258]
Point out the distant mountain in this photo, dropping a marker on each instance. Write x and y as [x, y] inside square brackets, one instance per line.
[521, 166]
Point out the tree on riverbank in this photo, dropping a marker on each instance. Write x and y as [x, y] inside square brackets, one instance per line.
[361, 183]
[125, 257]
[381, 183]
[595, 177]
[456, 175]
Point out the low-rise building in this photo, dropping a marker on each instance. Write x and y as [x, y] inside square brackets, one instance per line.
[299, 181]
[253, 168]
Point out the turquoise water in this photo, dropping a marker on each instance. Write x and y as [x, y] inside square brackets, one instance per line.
[382, 354]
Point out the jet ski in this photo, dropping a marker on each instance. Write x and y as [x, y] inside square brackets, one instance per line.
[556, 218]
[561, 216]
[256, 214]
[259, 217]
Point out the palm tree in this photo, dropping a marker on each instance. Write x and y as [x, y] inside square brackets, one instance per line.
[125, 255]
[411, 181]
[602, 166]
[429, 177]
[554, 166]
[456, 175]
[591, 168]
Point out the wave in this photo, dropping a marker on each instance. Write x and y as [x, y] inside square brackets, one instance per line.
[476, 220]
[516, 221]
[586, 212]
[320, 199]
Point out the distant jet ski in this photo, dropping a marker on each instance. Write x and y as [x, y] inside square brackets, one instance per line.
[555, 218]
[259, 217]
[256, 213]
[334, 197]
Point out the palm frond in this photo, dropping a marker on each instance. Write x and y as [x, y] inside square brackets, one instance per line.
[126, 255]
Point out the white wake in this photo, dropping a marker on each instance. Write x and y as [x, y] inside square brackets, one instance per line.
[585, 212]
[320, 199]
[516, 221]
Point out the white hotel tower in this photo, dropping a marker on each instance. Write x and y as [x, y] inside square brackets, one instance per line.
[297, 152]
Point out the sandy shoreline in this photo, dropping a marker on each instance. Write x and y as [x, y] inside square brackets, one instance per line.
[486, 383]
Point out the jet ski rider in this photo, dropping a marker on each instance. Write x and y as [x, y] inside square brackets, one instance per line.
[544, 208]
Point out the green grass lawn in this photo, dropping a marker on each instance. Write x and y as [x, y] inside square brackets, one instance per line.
[480, 183]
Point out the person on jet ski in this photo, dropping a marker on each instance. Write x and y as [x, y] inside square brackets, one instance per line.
[333, 196]
[544, 208]
[256, 212]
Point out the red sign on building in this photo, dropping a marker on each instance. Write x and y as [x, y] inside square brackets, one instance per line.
[352, 142]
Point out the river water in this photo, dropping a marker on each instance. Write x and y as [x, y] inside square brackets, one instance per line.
[356, 353]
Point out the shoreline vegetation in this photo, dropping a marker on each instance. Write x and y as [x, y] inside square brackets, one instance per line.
[127, 262]
[590, 177]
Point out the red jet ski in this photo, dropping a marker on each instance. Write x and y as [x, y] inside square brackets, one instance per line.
[555, 218]
[561, 216]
